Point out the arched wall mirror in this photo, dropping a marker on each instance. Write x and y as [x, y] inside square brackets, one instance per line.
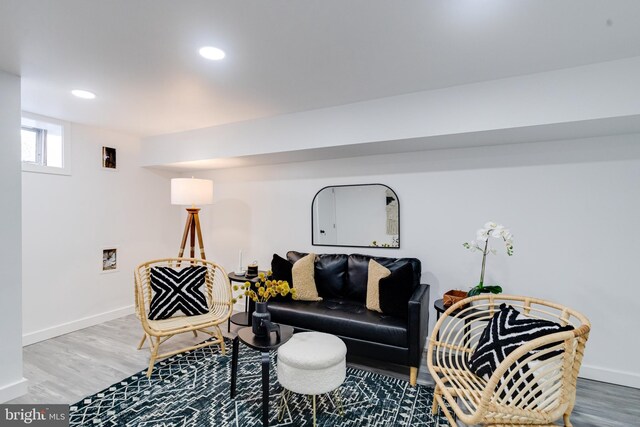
[365, 216]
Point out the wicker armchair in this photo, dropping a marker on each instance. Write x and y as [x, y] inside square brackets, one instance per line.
[218, 295]
[545, 394]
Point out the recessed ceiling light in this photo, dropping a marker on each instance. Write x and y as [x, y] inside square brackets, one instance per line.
[212, 53]
[84, 94]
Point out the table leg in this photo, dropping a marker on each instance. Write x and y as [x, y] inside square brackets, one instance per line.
[252, 308]
[234, 366]
[438, 333]
[265, 388]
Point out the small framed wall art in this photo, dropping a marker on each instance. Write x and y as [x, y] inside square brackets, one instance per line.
[109, 160]
[109, 259]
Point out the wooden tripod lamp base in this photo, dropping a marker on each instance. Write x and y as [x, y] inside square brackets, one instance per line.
[192, 229]
[191, 192]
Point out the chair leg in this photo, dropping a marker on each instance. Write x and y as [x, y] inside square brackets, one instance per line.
[195, 334]
[144, 338]
[434, 408]
[154, 355]
[219, 335]
[450, 418]
[567, 421]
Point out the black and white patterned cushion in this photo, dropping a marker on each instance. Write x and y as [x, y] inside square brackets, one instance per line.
[177, 292]
[507, 330]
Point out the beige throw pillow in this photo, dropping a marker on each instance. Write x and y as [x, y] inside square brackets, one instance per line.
[303, 281]
[376, 272]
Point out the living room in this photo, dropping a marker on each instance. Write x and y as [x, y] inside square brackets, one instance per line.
[526, 114]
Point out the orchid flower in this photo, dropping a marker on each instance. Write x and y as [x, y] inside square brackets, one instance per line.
[497, 231]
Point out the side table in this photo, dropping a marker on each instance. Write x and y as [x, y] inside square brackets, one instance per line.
[440, 308]
[243, 319]
[264, 346]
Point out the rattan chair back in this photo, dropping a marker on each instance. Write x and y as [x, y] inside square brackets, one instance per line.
[534, 385]
[217, 289]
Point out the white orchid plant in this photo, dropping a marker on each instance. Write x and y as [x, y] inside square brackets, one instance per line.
[491, 229]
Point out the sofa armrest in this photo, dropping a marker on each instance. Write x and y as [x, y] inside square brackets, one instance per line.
[418, 326]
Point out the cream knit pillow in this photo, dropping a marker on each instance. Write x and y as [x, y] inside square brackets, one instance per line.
[303, 281]
[376, 272]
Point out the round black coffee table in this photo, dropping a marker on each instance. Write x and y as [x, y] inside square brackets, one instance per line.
[264, 346]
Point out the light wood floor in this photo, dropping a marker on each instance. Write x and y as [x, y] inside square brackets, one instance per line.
[70, 367]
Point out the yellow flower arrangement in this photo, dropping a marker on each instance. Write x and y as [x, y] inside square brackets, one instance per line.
[265, 288]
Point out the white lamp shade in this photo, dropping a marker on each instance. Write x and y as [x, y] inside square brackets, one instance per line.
[191, 191]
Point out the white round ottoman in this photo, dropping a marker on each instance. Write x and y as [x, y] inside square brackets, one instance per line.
[311, 363]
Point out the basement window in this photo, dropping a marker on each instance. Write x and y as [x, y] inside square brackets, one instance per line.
[46, 145]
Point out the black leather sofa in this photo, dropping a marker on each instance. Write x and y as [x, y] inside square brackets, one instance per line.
[341, 281]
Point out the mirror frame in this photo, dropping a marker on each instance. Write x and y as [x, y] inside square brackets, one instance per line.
[355, 246]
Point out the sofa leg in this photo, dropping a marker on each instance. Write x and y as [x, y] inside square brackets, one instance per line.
[413, 375]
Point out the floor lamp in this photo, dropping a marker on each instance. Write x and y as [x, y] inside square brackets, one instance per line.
[192, 192]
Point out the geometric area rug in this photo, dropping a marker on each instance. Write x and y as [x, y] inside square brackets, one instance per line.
[191, 389]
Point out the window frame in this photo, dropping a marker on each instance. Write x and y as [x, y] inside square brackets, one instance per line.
[42, 124]
[41, 144]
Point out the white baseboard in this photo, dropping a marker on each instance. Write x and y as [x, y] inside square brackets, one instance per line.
[613, 376]
[65, 328]
[13, 390]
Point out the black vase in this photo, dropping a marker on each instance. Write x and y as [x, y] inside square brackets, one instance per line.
[261, 313]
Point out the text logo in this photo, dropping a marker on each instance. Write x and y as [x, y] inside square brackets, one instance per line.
[34, 415]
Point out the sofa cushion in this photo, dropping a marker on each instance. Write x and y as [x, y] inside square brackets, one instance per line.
[177, 292]
[395, 290]
[358, 269]
[330, 273]
[376, 272]
[342, 318]
[302, 273]
[508, 330]
[281, 269]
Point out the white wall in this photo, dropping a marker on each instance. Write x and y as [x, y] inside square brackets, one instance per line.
[67, 220]
[573, 207]
[11, 382]
[528, 103]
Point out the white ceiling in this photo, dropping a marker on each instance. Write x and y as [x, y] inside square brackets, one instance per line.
[140, 57]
